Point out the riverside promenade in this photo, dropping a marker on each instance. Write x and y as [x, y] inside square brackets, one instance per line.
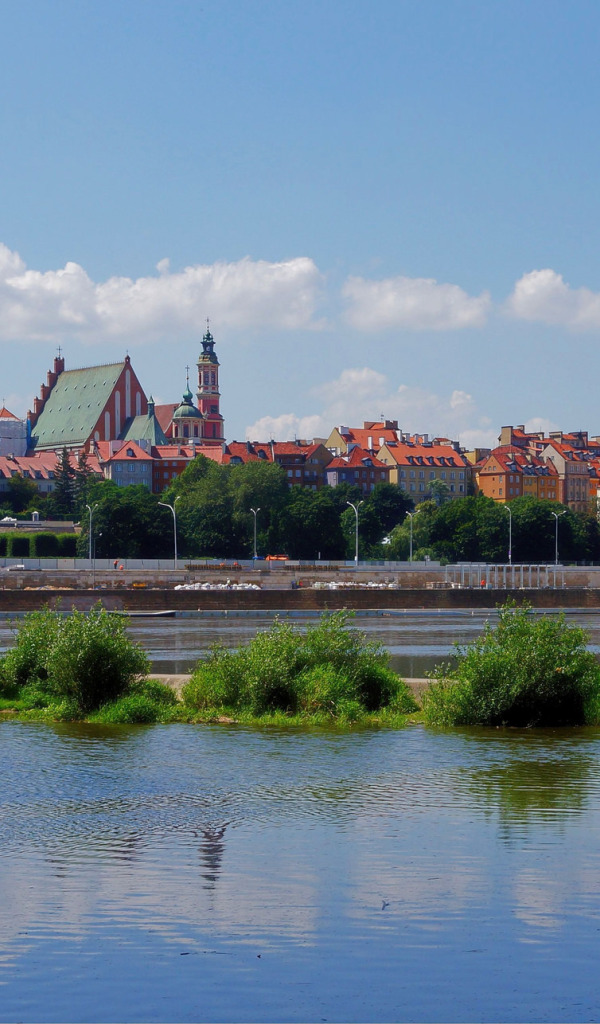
[139, 588]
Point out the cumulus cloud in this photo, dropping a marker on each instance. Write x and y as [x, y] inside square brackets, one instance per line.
[412, 303]
[544, 296]
[247, 294]
[364, 394]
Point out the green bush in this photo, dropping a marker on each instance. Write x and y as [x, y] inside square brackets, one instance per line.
[527, 671]
[84, 659]
[3, 545]
[330, 670]
[43, 545]
[67, 545]
[17, 545]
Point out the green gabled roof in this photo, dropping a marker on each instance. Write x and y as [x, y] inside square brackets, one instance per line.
[73, 406]
[144, 428]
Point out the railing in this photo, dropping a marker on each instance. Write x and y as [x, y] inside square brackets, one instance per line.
[507, 576]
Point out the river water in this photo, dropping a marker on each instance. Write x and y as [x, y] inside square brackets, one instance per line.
[194, 873]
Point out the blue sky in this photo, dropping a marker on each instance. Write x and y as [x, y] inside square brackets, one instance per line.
[382, 206]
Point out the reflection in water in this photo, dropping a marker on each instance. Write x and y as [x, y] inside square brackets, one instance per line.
[212, 848]
[298, 875]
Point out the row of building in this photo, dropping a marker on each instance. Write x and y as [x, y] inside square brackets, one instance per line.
[103, 411]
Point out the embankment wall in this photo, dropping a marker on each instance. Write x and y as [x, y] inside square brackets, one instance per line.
[290, 600]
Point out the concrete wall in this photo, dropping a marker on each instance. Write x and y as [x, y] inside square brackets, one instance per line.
[290, 600]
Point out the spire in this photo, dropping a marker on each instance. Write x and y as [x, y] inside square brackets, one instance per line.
[208, 342]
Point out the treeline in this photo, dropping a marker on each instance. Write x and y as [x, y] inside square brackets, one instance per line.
[476, 529]
[214, 518]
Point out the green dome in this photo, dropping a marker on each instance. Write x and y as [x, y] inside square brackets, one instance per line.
[187, 410]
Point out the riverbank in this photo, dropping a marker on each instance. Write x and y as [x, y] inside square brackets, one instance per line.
[307, 600]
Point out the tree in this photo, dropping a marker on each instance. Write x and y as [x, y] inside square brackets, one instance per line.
[61, 502]
[128, 523]
[82, 480]
[313, 528]
[22, 493]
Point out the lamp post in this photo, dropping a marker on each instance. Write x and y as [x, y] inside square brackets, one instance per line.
[509, 534]
[557, 516]
[356, 508]
[91, 551]
[412, 516]
[165, 504]
[255, 512]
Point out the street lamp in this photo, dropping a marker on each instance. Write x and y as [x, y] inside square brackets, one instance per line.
[412, 516]
[356, 508]
[557, 516]
[255, 512]
[91, 552]
[165, 504]
[509, 534]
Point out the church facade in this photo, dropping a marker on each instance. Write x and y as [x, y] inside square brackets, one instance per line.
[76, 409]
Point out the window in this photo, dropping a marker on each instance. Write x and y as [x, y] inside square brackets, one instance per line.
[453, 476]
[461, 475]
[421, 487]
[443, 474]
[412, 474]
[298, 472]
[290, 472]
[402, 473]
[461, 487]
[412, 487]
[432, 474]
[421, 475]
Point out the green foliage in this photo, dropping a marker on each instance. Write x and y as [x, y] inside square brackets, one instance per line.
[384, 508]
[3, 545]
[312, 525]
[526, 671]
[17, 545]
[127, 523]
[145, 702]
[330, 670]
[66, 545]
[61, 502]
[22, 493]
[85, 659]
[43, 545]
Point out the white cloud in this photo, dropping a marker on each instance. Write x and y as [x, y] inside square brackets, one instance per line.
[544, 296]
[412, 303]
[364, 394]
[248, 294]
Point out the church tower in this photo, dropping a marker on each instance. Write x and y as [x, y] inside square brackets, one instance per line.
[208, 392]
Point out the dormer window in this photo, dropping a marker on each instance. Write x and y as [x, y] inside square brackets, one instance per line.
[130, 453]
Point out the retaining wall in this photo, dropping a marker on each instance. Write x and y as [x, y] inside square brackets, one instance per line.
[288, 600]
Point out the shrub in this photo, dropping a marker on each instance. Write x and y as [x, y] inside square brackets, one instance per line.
[67, 545]
[527, 671]
[3, 545]
[17, 545]
[27, 662]
[93, 660]
[130, 709]
[329, 670]
[43, 545]
[85, 659]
